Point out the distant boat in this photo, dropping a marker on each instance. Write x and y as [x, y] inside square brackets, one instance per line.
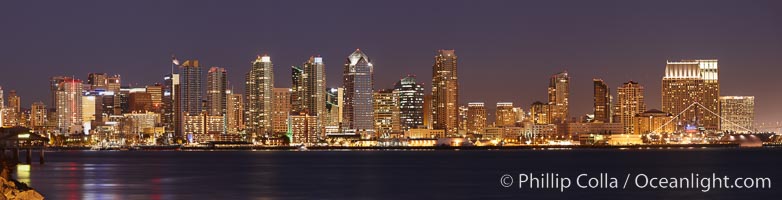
[303, 148]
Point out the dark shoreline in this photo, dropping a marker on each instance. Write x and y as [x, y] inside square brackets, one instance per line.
[330, 148]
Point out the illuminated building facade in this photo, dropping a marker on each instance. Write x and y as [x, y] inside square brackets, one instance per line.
[38, 116]
[653, 121]
[558, 94]
[69, 96]
[334, 107]
[540, 113]
[476, 117]
[602, 99]
[506, 116]
[445, 92]
[281, 109]
[411, 102]
[738, 113]
[630, 103]
[190, 88]
[234, 112]
[216, 87]
[303, 129]
[259, 93]
[690, 81]
[358, 82]
[387, 119]
[313, 88]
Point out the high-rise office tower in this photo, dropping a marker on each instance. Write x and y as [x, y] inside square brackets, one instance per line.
[98, 81]
[445, 92]
[602, 99]
[505, 115]
[259, 93]
[297, 88]
[558, 94]
[314, 91]
[358, 82]
[411, 102]
[386, 118]
[216, 87]
[476, 117]
[234, 112]
[462, 122]
[738, 113]
[171, 118]
[69, 117]
[190, 88]
[281, 110]
[690, 81]
[630, 103]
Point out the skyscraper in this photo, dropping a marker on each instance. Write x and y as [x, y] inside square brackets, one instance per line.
[234, 112]
[216, 87]
[476, 117]
[602, 99]
[334, 107]
[297, 88]
[69, 117]
[738, 113]
[411, 102]
[630, 103]
[156, 96]
[505, 115]
[281, 110]
[38, 116]
[386, 118]
[358, 82]
[171, 118]
[190, 88]
[314, 91]
[259, 107]
[2, 108]
[113, 84]
[14, 109]
[445, 92]
[690, 81]
[558, 94]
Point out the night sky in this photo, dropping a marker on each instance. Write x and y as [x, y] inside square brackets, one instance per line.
[507, 49]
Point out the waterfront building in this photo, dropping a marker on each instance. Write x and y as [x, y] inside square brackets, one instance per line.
[216, 87]
[463, 121]
[171, 119]
[303, 129]
[69, 96]
[653, 121]
[38, 117]
[281, 110]
[558, 94]
[476, 117]
[97, 81]
[630, 102]
[411, 102]
[505, 114]
[738, 114]
[259, 93]
[690, 81]
[386, 114]
[297, 88]
[139, 102]
[428, 111]
[445, 92]
[234, 112]
[334, 107]
[313, 89]
[602, 99]
[358, 82]
[113, 85]
[190, 88]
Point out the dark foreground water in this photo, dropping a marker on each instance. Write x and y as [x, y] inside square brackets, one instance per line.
[385, 174]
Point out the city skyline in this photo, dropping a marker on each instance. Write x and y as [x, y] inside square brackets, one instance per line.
[634, 56]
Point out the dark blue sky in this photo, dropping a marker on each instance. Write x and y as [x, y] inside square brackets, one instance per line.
[507, 49]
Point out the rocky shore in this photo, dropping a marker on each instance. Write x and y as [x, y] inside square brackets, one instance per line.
[12, 189]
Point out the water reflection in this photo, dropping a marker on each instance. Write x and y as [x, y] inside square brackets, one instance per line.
[23, 174]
